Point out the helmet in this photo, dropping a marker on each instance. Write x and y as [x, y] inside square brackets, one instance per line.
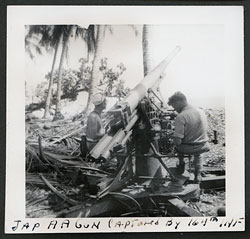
[98, 98]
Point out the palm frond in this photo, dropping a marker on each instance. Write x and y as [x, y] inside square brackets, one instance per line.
[30, 46]
[80, 32]
[91, 39]
[28, 50]
[38, 50]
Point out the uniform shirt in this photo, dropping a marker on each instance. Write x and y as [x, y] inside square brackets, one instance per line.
[191, 126]
[94, 126]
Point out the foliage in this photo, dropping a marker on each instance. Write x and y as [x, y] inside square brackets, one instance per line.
[32, 41]
[85, 73]
[71, 82]
[113, 85]
[41, 91]
[74, 81]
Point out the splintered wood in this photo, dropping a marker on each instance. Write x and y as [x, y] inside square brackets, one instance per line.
[60, 183]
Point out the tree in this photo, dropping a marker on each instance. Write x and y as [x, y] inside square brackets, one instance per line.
[30, 46]
[146, 49]
[67, 30]
[49, 94]
[49, 37]
[85, 71]
[89, 37]
[72, 84]
[32, 40]
[110, 82]
[147, 166]
[95, 73]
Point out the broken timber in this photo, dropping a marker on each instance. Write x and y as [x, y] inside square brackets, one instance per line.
[66, 199]
[172, 194]
[112, 202]
[213, 182]
[178, 207]
[98, 208]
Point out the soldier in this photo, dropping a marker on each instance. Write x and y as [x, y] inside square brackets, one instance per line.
[190, 135]
[95, 129]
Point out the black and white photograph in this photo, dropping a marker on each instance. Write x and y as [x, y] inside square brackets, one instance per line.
[130, 122]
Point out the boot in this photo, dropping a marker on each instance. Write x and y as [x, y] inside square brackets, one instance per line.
[197, 176]
[197, 169]
[181, 168]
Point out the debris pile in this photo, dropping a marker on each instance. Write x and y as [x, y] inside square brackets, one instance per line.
[216, 125]
[59, 182]
[216, 122]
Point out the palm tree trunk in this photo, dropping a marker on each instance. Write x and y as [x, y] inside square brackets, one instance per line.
[58, 114]
[146, 49]
[147, 166]
[95, 74]
[48, 99]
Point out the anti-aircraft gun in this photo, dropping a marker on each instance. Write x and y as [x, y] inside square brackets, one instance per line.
[139, 126]
[139, 142]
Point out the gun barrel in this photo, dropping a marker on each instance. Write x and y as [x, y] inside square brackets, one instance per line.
[119, 137]
[149, 81]
[107, 142]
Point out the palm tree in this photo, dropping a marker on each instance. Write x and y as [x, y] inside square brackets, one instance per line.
[146, 49]
[88, 35]
[30, 45]
[49, 37]
[33, 40]
[89, 38]
[147, 166]
[95, 73]
[66, 33]
[49, 94]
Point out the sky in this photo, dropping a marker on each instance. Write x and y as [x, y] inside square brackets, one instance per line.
[197, 70]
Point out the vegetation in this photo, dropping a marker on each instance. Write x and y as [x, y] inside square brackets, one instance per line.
[75, 81]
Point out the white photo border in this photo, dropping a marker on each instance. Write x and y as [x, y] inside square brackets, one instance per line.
[229, 16]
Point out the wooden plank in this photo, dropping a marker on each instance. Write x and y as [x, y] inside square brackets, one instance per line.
[213, 182]
[213, 170]
[67, 135]
[181, 209]
[63, 197]
[106, 205]
[190, 191]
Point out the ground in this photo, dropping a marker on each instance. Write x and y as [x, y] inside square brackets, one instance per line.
[40, 200]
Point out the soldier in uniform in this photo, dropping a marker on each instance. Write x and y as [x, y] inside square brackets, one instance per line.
[190, 135]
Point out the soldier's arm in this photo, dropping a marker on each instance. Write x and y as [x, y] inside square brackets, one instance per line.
[179, 130]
